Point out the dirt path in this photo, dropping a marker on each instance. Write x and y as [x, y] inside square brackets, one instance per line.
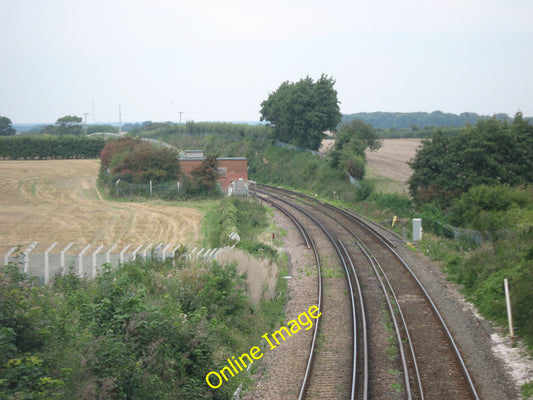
[57, 200]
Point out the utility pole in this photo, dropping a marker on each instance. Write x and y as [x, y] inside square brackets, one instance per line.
[119, 119]
[93, 110]
[180, 112]
[85, 122]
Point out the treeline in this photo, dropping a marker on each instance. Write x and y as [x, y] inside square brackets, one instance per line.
[165, 130]
[55, 147]
[491, 152]
[418, 120]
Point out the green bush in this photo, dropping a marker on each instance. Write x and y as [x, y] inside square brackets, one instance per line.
[55, 147]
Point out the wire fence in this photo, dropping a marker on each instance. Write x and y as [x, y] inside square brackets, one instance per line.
[45, 260]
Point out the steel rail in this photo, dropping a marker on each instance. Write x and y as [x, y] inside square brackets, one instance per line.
[390, 247]
[310, 242]
[352, 297]
[376, 266]
[363, 321]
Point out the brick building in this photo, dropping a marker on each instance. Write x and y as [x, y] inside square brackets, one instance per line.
[230, 168]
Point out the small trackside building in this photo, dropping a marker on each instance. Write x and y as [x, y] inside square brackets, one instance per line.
[229, 168]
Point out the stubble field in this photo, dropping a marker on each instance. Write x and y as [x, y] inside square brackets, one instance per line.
[387, 168]
[57, 201]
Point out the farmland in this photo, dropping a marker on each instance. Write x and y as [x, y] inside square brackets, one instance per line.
[58, 200]
[388, 168]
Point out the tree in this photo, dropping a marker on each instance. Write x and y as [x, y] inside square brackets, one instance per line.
[147, 163]
[69, 125]
[300, 112]
[206, 175]
[491, 152]
[352, 139]
[5, 127]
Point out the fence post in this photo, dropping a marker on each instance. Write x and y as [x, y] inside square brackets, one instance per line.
[174, 255]
[94, 259]
[80, 260]
[108, 252]
[122, 253]
[47, 263]
[27, 257]
[62, 258]
[191, 254]
[509, 314]
[199, 253]
[165, 251]
[146, 249]
[135, 252]
[6, 257]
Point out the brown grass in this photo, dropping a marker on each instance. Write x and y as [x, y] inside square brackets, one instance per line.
[57, 200]
[387, 168]
[261, 273]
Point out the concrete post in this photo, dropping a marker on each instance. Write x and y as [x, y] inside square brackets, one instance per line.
[135, 252]
[47, 263]
[80, 260]
[146, 250]
[174, 255]
[122, 253]
[107, 258]
[62, 258]
[165, 251]
[94, 259]
[6, 257]
[27, 257]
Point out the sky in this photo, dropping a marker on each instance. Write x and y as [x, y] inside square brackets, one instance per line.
[209, 60]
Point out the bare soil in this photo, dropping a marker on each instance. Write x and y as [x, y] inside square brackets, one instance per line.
[57, 200]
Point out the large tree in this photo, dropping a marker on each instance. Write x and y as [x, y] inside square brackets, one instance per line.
[300, 112]
[5, 127]
[491, 152]
[351, 141]
[69, 125]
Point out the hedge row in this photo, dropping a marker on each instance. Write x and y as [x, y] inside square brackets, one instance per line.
[42, 147]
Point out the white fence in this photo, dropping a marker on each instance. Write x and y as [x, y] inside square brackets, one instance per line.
[45, 261]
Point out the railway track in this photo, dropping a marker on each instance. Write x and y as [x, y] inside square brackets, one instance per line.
[380, 335]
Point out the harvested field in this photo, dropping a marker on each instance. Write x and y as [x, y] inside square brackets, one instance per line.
[57, 200]
[388, 167]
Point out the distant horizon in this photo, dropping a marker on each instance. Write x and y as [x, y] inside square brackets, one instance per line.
[252, 122]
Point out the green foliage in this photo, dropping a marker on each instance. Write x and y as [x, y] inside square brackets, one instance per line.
[144, 163]
[481, 270]
[169, 131]
[489, 153]
[206, 176]
[300, 112]
[396, 203]
[258, 249]
[101, 128]
[128, 165]
[43, 147]
[352, 139]
[6, 129]
[242, 216]
[69, 125]
[490, 208]
[407, 121]
[145, 331]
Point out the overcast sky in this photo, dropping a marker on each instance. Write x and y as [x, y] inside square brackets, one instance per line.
[218, 60]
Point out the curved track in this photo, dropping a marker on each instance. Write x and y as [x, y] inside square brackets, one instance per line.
[397, 345]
